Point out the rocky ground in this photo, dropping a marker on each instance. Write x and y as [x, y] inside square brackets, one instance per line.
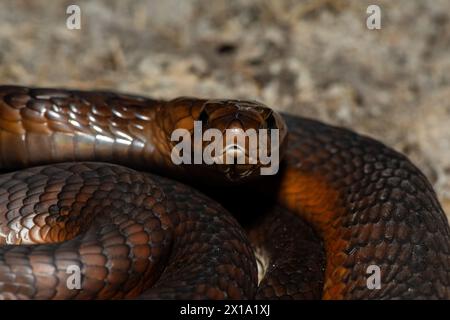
[313, 58]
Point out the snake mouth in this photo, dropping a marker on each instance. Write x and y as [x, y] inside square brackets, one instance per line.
[237, 172]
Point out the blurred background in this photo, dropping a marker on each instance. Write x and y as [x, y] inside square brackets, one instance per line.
[312, 58]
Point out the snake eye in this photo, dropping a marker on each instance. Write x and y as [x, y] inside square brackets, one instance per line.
[203, 117]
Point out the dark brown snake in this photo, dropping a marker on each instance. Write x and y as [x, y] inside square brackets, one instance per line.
[77, 200]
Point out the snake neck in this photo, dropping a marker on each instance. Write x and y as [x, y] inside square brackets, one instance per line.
[41, 126]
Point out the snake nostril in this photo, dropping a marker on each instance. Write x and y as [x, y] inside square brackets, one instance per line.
[271, 122]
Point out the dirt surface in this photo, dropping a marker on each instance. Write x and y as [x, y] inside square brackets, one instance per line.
[312, 58]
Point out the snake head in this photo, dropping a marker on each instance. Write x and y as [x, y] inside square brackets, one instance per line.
[241, 138]
[225, 140]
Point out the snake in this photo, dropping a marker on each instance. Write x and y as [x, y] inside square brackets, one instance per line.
[88, 187]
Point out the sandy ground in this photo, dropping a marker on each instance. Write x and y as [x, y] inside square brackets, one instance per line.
[313, 58]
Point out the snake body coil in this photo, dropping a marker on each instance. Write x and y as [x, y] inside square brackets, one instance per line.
[136, 234]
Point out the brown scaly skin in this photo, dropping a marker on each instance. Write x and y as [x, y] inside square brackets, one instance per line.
[369, 204]
[132, 227]
[291, 255]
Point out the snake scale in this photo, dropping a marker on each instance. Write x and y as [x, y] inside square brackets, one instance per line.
[82, 185]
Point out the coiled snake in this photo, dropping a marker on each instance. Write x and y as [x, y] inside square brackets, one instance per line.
[341, 203]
